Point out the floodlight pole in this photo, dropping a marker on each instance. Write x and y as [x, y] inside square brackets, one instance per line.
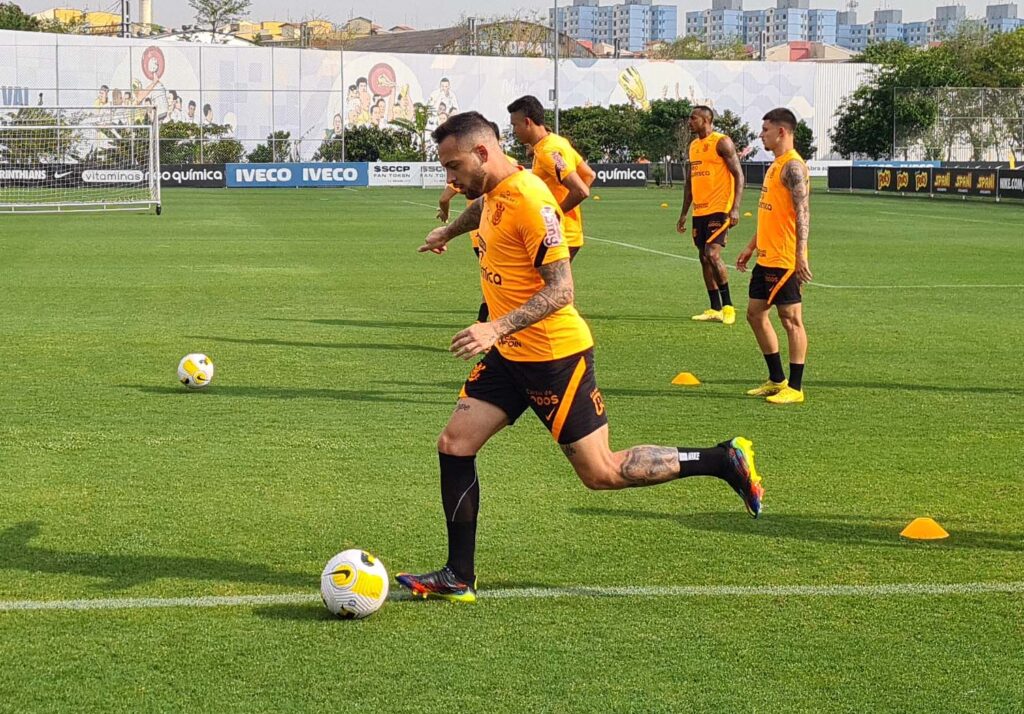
[555, 53]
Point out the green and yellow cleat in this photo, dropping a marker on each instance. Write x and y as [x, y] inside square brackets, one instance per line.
[787, 395]
[709, 315]
[443, 583]
[768, 388]
[745, 480]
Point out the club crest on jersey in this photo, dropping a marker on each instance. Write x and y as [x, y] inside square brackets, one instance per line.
[496, 216]
[552, 227]
[560, 164]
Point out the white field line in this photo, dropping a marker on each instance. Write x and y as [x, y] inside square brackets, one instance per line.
[910, 214]
[682, 591]
[1016, 286]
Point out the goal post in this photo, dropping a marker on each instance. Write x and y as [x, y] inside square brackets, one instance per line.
[57, 159]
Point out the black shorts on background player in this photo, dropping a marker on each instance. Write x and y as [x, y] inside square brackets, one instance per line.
[713, 224]
[779, 286]
[562, 392]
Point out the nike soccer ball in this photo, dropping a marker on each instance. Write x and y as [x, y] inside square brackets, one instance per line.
[195, 371]
[354, 584]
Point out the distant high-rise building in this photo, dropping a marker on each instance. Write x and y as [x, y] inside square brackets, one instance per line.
[794, 20]
[631, 25]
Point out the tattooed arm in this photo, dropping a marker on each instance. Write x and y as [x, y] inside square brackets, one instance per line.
[796, 179]
[558, 291]
[438, 238]
[727, 150]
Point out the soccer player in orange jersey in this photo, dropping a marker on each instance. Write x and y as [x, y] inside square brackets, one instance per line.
[557, 163]
[542, 357]
[444, 210]
[783, 226]
[714, 188]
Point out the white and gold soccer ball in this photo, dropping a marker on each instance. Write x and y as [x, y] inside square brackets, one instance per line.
[195, 371]
[354, 584]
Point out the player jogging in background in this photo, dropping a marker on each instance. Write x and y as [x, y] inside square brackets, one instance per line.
[444, 210]
[783, 227]
[714, 188]
[543, 357]
[557, 163]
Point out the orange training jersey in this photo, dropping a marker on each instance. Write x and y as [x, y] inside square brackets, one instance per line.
[554, 159]
[776, 218]
[520, 230]
[711, 182]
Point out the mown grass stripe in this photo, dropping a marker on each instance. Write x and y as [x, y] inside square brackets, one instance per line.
[690, 591]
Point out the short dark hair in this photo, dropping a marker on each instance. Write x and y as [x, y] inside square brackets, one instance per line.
[706, 110]
[361, 80]
[497, 130]
[207, 109]
[782, 117]
[445, 79]
[192, 102]
[462, 125]
[530, 107]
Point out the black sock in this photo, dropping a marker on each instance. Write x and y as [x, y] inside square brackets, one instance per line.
[796, 376]
[481, 315]
[774, 362]
[460, 495]
[716, 299]
[723, 291]
[703, 462]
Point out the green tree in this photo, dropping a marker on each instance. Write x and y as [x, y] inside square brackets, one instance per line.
[899, 105]
[370, 143]
[417, 129]
[183, 142]
[214, 14]
[279, 147]
[12, 18]
[664, 131]
[692, 47]
[803, 140]
[733, 126]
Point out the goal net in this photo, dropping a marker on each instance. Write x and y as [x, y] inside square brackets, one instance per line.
[79, 159]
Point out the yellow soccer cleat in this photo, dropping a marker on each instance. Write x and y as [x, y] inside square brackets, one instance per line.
[708, 315]
[768, 388]
[787, 395]
[728, 315]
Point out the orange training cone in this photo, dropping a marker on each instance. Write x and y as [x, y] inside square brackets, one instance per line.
[924, 529]
[686, 379]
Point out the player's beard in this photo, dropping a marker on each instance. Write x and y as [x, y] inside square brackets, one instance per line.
[474, 188]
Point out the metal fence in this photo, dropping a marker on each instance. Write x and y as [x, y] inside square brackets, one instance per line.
[958, 124]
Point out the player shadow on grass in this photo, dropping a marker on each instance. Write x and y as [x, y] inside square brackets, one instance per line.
[129, 570]
[271, 342]
[255, 392]
[847, 529]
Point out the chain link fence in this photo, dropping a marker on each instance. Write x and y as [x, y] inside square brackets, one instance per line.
[958, 124]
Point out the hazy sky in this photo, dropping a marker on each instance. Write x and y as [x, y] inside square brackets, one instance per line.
[423, 14]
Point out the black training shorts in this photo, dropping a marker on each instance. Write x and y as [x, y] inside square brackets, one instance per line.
[712, 228]
[562, 392]
[778, 286]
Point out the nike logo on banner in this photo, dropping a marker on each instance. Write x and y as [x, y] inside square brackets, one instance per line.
[62, 175]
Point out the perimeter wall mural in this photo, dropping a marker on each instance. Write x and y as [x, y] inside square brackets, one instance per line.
[313, 94]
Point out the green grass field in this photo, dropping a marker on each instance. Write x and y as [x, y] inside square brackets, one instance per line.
[330, 337]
